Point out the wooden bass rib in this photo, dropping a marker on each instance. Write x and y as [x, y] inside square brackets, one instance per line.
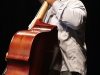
[33, 51]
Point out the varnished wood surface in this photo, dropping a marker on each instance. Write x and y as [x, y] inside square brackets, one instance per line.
[31, 52]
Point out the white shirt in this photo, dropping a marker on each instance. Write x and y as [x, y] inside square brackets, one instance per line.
[69, 16]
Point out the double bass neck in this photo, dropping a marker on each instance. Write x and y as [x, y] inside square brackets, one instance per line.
[39, 15]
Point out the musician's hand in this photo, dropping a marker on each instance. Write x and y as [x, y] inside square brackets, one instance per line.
[50, 1]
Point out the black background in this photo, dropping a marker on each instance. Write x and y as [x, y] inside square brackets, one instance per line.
[17, 14]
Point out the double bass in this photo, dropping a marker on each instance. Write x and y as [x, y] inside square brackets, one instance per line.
[33, 51]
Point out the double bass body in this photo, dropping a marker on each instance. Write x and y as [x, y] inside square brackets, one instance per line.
[33, 52]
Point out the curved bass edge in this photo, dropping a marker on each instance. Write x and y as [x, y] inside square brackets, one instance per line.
[30, 47]
[22, 40]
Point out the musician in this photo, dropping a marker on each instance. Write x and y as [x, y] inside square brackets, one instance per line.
[70, 17]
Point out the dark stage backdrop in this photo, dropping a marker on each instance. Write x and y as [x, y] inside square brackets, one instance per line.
[16, 15]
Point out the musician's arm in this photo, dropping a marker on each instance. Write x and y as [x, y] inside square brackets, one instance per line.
[72, 14]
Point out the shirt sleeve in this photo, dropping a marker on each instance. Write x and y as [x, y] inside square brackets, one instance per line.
[72, 14]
